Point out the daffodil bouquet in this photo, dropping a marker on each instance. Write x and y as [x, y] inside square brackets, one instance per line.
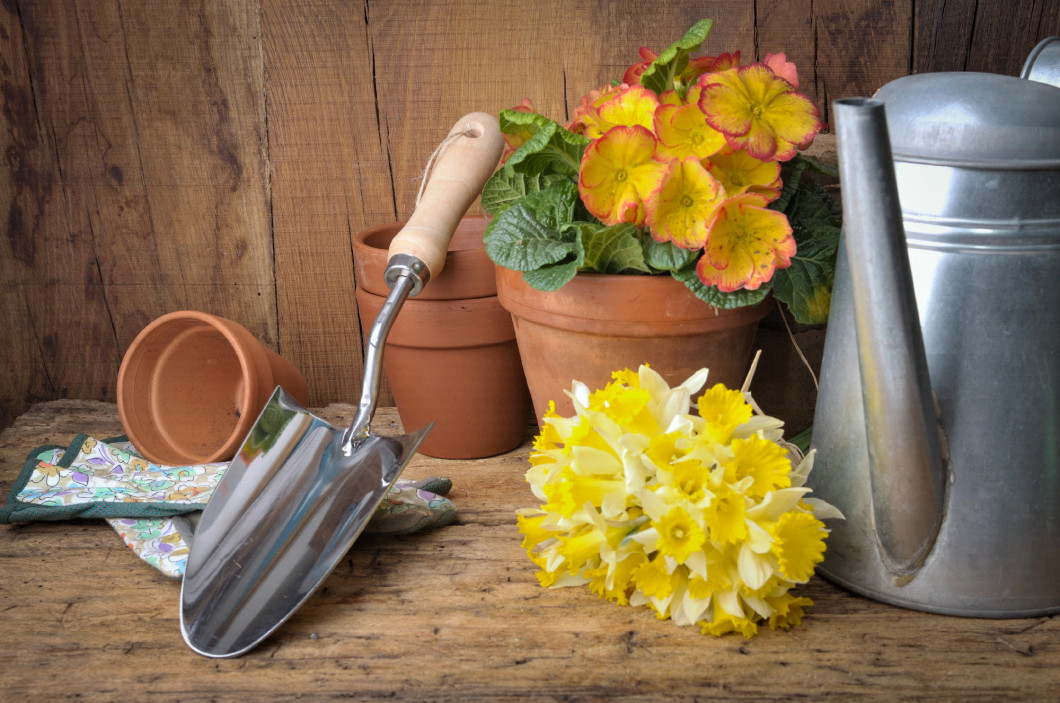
[688, 167]
[703, 518]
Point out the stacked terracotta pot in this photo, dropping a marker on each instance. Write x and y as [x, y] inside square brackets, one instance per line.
[451, 356]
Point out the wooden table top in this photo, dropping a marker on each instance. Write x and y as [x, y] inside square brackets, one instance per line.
[455, 614]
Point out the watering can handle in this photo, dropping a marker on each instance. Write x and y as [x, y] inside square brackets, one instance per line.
[464, 161]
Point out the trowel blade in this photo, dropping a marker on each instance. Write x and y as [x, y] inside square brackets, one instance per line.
[289, 506]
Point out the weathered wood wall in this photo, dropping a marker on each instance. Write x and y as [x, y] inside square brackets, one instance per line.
[219, 155]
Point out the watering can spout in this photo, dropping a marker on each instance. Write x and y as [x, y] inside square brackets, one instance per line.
[907, 472]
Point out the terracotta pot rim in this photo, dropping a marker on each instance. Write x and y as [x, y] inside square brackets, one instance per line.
[361, 237]
[467, 272]
[597, 303]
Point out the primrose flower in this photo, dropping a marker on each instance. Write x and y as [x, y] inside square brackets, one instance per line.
[624, 106]
[758, 112]
[688, 197]
[632, 74]
[739, 172]
[683, 131]
[588, 106]
[701, 519]
[695, 68]
[619, 174]
[782, 68]
[746, 244]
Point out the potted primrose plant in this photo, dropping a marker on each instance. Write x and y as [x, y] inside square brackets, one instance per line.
[662, 222]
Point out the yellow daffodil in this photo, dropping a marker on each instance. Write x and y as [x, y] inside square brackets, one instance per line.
[580, 548]
[723, 410]
[758, 112]
[679, 535]
[701, 519]
[788, 610]
[619, 175]
[725, 515]
[653, 578]
[723, 623]
[765, 462]
[800, 545]
[687, 199]
[746, 244]
[620, 403]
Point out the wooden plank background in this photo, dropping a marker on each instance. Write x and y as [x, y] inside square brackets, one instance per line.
[220, 154]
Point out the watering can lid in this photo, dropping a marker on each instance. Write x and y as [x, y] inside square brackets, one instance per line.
[973, 119]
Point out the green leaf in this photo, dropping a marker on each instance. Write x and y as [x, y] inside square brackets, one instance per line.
[507, 186]
[553, 277]
[660, 76]
[517, 240]
[613, 249]
[820, 166]
[554, 206]
[806, 289]
[717, 298]
[551, 149]
[806, 286]
[791, 177]
[667, 256]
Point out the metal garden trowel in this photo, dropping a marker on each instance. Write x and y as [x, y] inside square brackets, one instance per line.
[301, 490]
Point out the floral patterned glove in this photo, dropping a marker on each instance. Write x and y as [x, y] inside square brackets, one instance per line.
[154, 507]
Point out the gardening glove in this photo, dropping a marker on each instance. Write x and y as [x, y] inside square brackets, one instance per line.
[154, 508]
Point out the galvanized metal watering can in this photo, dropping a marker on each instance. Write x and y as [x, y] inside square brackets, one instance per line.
[938, 418]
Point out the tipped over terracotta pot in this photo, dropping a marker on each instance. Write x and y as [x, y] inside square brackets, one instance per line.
[192, 384]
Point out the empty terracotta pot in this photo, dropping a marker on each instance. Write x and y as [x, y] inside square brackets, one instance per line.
[451, 356]
[191, 386]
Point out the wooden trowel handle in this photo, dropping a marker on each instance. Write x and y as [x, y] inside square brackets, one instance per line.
[463, 165]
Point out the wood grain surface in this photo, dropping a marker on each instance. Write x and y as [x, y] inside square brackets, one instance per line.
[455, 615]
[219, 156]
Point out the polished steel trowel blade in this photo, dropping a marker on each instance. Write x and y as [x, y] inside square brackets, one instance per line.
[289, 506]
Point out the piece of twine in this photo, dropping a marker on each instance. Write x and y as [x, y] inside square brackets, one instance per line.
[468, 131]
[745, 390]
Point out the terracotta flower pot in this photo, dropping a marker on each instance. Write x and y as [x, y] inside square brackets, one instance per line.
[191, 386]
[598, 323]
[468, 272]
[453, 362]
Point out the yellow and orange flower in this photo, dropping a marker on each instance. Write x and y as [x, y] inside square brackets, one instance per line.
[739, 172]
[683, 131]
[619, 175]
[688, 197]
[624, 106]
[783, 68]
[758, 112]
[745, 245]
